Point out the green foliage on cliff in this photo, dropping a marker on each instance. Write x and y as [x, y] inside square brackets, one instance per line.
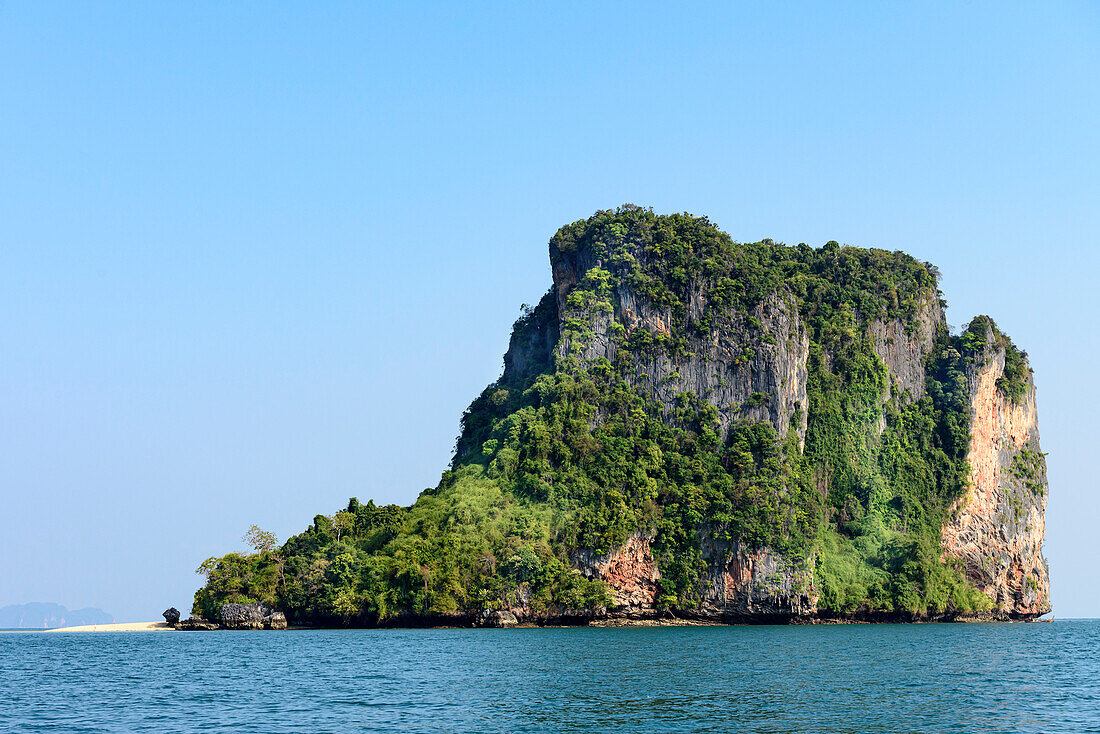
[980, 338]
[564, 456]
[1030, 467]
[467, 544]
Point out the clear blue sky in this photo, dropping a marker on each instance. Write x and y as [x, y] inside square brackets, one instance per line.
[256, 259]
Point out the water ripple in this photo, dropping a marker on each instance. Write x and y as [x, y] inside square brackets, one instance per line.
[758, 680]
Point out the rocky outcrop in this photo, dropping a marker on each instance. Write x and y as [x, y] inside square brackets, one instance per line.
[496, 618]
[250, 617]
[531, 347]
[275, 621]
[782, 428]
[171, 615]
[630, 573]
[242, 616]
[747, 584]
[197, 624]
[741, 584]
[997, 528]
[235, 617]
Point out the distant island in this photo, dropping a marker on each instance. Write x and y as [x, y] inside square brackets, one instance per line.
[39, 615]
[692, 428]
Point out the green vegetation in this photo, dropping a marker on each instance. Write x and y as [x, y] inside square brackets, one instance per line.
[982, 335]
[1030, 467]
[465, 544]
[565, 452]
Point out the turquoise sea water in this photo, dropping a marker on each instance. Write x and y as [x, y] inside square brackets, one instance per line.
[863, 678]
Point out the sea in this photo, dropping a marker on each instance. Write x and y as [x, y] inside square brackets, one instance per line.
[957, 678]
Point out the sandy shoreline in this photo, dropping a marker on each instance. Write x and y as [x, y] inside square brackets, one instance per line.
[122, 627]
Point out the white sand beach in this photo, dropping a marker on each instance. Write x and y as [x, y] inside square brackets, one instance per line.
[122, 627]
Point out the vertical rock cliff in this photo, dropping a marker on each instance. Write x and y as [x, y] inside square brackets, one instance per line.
[751, 366]
[904, 347]
[997, 528]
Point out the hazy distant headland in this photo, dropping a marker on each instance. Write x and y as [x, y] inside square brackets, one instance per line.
[45, 615]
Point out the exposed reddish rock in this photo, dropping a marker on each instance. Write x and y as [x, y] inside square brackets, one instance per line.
[744, 584]
[997, 527]
[630, 573]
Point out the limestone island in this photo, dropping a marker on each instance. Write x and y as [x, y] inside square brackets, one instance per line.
[689, 428]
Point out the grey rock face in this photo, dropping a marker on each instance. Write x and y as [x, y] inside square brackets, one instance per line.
[903, 349]
[747, 373]
[275, 621]
[250, 617]
[749, 584]
[171, 615]
[242, 616]
[531, 346]
[750, 366]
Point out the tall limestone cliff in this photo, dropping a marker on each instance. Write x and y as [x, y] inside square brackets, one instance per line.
[691, 427]
[997, 528]
[753, 367]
